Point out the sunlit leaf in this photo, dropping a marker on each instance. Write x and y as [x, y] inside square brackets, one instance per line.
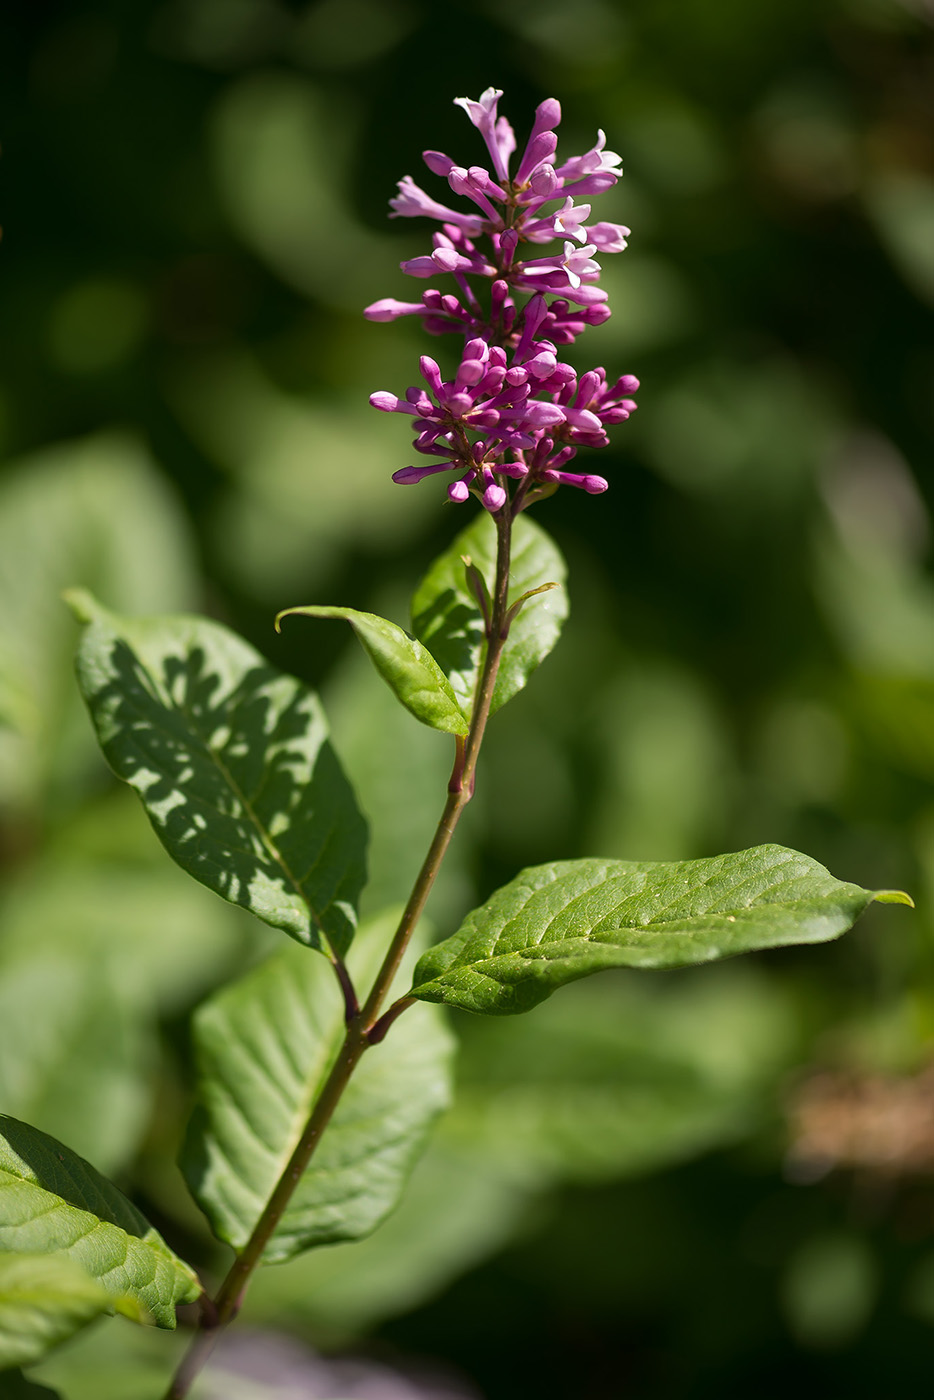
[233, 765]
[43, 1299]
[99, 937]
[407, 667]
[54, 1203]
[557, 922]
[265, 1046]
[95, 513]
[447, 617]
[75, 1057]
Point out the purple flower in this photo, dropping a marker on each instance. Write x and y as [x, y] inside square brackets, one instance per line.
[513, 411]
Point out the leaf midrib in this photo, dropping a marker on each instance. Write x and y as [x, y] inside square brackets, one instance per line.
[612, 871]
[264, 836]
[533, 952]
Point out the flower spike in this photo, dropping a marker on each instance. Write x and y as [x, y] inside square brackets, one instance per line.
[514, 414]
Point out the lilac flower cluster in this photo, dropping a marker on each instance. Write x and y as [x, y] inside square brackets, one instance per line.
[513, 410]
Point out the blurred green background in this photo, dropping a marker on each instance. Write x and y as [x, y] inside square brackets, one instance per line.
[715, 1183]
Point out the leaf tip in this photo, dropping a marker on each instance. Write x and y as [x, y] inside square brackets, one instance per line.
[84, 606]
[306, 610]
[519, 604]
[893, 897]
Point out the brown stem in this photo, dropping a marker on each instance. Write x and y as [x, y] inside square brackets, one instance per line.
[457, 800]
[230, 1294]
[364, 1027]
[351, 1005]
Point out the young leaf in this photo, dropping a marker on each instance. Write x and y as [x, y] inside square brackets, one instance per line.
[265, 1046]
[232, 762]
[446, 615]
[554, 923]
[407, 667]
[43, 1300]
[53, 1203]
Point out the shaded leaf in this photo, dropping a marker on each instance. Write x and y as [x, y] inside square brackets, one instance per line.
[114, 1363]
[447, 617]
[557, 922]
[16, 1386]
[617, 1076]
[43, 1299]
[232, 762]
[621, 1075]
[407, 667]
[265, 1046]
[105, 889]
[459, 1207]
[54, 1203]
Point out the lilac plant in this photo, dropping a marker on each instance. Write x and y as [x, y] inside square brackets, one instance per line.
[514, 411]
[320, 1071]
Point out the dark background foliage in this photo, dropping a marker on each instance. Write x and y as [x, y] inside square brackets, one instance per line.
[194, 212]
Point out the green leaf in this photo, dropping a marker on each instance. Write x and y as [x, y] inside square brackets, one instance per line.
[554, 923]
[43, 1300]
[94, 512]
[75, 1059]
[665, 774]
[16, 1386]
[407, 667]
[619, 1075]
[92, 952]
[447, 618]
[413, 1255]
[54, 1203]
[385, 754]
[113, 1363]
[622, 1074]
[232, 762]
[105, 892]
[265, 1046]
